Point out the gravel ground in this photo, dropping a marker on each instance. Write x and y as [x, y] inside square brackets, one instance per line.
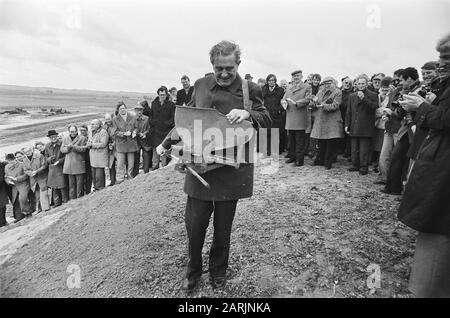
[306, 232]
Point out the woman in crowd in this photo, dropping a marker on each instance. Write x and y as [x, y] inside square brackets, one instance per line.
[327, 126]
[125, 128]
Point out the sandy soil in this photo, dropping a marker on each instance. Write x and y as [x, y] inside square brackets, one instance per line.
[306, 232]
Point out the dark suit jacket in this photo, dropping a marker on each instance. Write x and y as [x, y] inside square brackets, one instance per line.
[182, 97]
[360, 117]
[161, 119]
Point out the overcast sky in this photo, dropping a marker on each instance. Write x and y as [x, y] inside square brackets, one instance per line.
[134, 45]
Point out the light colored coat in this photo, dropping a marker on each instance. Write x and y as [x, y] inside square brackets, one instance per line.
[74, 162]
[298, 116]
[328, 121]
[125, 143]
[99, 152]
[38, 164]
[22, 185]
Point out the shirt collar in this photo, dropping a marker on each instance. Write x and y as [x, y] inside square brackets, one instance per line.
[237, 83]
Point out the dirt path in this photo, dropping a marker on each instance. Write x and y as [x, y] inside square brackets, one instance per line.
[306, 232]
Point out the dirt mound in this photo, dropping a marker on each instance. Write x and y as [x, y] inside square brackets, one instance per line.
[306, 232]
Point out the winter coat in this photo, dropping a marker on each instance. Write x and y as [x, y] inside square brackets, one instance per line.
[99, 152]
[327, 119]
[162, 120]
[425, 206]
[5, 189]
[125, 143]
[227, 183]
[53, 154]
[22, 185]
[111, 144]
[344, 102]
[360, 117]
[75, 161]
[39, 164]
[143, 126]
[272, 102]
[182, 97]
[298, 115]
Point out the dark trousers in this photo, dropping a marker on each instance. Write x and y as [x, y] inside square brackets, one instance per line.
[98, 178]
[328, 149]
[21, 206]
[112, 172]
[360, 151]
[88, 180]
[346, 146]
[147, 157]
[297, 144]
[76, 186]
[198, 213]
[399, 165]
[60, 196]
[2, 216]
[32, 200]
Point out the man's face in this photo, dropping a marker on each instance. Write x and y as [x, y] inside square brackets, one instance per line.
[395, 80]
[73, 131]
[122, 110]
[406, 83]
[83, 131]
[95, 125]
[428, 76]
[138, 112]
[108, 120]
[186, 84]
[384, 90]
[297, 78]
[376, 82]
[271, 82]
[40, 147]
[361, 84]
[28, 151]
[53, 138]
[346, 83]
[315, 81]
[327, 85]
[284, 84]
[19, 157]
[444, 65]
[162, 96]
[225, 69]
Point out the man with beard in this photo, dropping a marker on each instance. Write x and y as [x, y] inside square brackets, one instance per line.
[426, 202]
[229, 94]
[184, 95]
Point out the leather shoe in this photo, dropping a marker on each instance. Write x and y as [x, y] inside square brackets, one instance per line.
[218, 282]
[290, 160]
[189, 285]
[353, 169]
[299, 163]
[386, 191]
[380, 182]
[288, 156]
[363, 171]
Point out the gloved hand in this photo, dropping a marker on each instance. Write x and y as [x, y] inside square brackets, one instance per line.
[160, 150]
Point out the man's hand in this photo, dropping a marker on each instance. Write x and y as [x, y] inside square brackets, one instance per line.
[160, 150]
[411, 102]
[237, 115]
[69, 147]
[346, 130]
[413, 128]
[89, 144]
[387, 111]
[430, 97]
[360, 95]
[127, 133]
[284, 103]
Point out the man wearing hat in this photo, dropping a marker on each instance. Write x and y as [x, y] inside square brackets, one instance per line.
[143, 140]
[248, 77]
[55, 159]
[298, 117]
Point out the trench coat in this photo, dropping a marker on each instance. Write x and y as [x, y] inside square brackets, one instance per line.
[162, 120]
[143, 126]
[38, 164]
[227, 183]
[298, 116]
[360, 117]
[22, 185]
[125, 143]
[75, 162]
[99, 152]
[55, 179]
[328, 121]
[272, 102]
[425, 206]
[5, 189]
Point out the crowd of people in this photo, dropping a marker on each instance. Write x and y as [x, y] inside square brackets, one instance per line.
[369, 121]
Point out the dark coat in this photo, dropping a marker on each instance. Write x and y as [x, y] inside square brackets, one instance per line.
[272, 102]
[227, 183]
[344, 103]
[162, 120]
[5, 189]
[182, 97]
[425, 205]
[143, 126]
[125, 143]
[56, 179]
[360, 116]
